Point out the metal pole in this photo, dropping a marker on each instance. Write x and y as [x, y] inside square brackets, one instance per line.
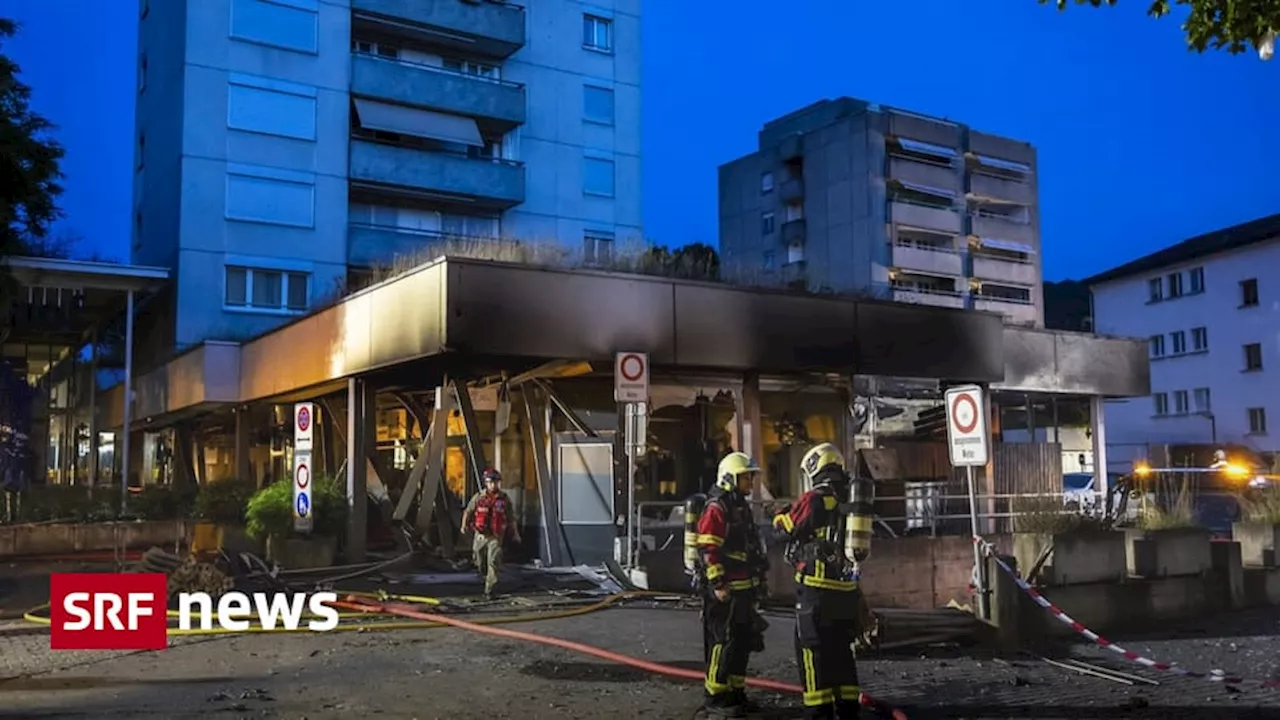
[981, 568]
[128, 401]
[632, 515]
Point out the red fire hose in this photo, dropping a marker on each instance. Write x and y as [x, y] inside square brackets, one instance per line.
[364, 605]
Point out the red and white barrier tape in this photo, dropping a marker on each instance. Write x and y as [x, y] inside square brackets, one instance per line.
[1215, 676]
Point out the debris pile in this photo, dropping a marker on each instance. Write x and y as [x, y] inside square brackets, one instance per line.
[186, 575]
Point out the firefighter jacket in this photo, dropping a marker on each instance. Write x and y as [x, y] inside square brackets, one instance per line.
[729, 551]
[491, 513]
[815, 527]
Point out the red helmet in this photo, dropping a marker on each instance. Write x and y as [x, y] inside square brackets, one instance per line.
[491, 475]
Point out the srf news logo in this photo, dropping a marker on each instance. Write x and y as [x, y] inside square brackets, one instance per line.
[129, 611]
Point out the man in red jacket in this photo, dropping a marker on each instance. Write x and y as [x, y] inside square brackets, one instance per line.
[732, 563]
[491, 515]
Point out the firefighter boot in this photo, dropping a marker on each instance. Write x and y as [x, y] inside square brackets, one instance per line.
[748, 705]
[725, 705]
[820, 712]
[848, 710]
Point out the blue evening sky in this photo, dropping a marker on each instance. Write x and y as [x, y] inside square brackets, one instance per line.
[1141, 143]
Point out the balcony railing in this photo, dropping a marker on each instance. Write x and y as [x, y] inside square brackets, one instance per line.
[451, 91]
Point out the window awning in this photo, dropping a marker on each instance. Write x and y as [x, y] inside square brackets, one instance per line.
[1003, 164]
[926, 148]
[927, 189]
[417, 122]
[1007, 245]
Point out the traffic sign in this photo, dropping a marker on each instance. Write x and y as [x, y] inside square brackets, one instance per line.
[967, 434]
[304, 415]
[631, 377]
[302, 519]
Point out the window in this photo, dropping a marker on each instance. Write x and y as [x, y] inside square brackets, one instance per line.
[1180, 403]
[1157, 346]
[141, 160]
[766, 183]
[597, 246]
[597, 104]
[597, 33]
[1253, 356]
[1195, 277]
[1199, 338]
[1202, 400]
[1257, 421]
[271, 107]
[597, 176]
[146, 10]
[287, 24]
[1175, 285]
[1155, 290]
[468, 67]
[766, 224]
[1161, 403]
[271, 290]
[142, 72]
[1249, 292]
[267, 195]
[1178, 340]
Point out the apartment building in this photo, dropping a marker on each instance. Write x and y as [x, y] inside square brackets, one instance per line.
[1212, 314]
[283, 145]
[848, 196]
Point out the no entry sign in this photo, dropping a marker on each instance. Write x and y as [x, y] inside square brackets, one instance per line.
[966, 426]
[631, 377]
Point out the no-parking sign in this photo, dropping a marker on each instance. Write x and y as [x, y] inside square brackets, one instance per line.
[967, 426]
[631, 377]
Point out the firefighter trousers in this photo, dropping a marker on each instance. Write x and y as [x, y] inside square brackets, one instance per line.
[826, 627]
[727, 639]
[488, 557]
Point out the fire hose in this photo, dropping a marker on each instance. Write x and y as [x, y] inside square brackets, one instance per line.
[359, 604]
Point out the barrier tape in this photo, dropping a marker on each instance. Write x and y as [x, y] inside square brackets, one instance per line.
[1214, 676]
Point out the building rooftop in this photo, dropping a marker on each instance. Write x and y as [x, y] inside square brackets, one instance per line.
[1218, 241]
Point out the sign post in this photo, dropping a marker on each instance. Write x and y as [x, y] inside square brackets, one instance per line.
[969, 443]
[631, 386]
[303, 433]
[636, 438]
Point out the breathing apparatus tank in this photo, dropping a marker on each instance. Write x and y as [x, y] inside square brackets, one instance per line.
[857, 523]
[692, 511]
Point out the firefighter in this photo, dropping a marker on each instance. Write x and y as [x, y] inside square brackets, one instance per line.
[491, 515]
[731, 566]
[829, 533]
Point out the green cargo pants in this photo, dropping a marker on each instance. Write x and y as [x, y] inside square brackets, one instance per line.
[488, 550]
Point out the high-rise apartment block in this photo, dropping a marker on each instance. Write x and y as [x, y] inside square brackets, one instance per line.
[283, 144]
[846, 196]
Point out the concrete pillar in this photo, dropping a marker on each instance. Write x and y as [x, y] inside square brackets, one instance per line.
[244, 468]
[361, 410]
[1098, 421]
[752, 432]
[93, 411]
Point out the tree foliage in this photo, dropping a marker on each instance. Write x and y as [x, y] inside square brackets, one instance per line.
[1233, 25]
[28, 161]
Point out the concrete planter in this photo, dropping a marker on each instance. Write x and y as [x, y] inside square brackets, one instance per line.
[301, 553]
[1077, 558]
[1168, 553]
[1258, 543]
[210, 537]
[67, 538]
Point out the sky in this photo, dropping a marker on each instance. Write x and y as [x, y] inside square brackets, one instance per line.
[1141, 143]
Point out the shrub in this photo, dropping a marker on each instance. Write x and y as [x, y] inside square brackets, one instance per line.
[224, 501]
[164, 502]
[1174, 506]
[270, 510]
[1262, 506]
[1048, 516]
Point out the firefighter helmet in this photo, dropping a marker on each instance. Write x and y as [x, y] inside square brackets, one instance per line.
[819, 458]
[491, 475]
[733, 465]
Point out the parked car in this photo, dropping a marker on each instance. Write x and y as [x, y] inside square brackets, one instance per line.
[1080, 493]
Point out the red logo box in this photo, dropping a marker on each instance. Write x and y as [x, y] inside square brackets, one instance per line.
[108, 611]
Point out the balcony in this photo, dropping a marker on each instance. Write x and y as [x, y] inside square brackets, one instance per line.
[1015, 312]
[481, 182]
[926, 217]
[795, 273]
[1001, 148]
[923, 173]
[439, 89]
[482, 27]
[793, 232]
[936, 298]
[924, 129]
[992, 225]
[940, 261]
[1011, 191]
[370, 245]
[986, 267]
[792, 191]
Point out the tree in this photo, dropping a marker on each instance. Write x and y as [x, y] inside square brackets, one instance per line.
[28, 165]
[1234, 25]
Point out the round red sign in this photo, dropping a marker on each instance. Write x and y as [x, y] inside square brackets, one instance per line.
[964, 413]
[631, 367]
